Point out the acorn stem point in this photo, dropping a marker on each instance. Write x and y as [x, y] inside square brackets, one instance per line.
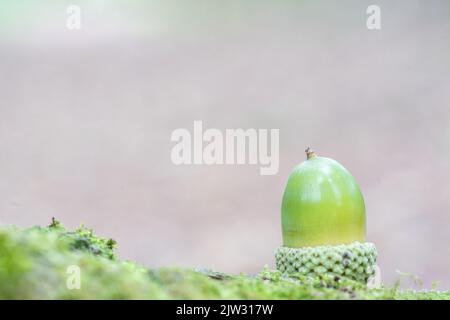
[310, 153]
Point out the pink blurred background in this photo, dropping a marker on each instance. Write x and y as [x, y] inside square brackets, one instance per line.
[86, 117]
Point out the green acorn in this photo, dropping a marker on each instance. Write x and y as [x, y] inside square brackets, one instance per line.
[324, 223]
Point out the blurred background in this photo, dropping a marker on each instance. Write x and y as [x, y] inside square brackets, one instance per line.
[86, 117]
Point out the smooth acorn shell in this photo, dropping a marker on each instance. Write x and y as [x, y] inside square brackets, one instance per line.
[322, 205]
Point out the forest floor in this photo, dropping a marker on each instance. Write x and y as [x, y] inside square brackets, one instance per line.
[54, 263]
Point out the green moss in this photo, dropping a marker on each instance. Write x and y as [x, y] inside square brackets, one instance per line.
[34, 262]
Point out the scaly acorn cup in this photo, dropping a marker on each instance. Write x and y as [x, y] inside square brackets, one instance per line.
[324, 223]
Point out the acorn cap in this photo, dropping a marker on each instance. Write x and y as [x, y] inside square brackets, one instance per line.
[356, 261]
